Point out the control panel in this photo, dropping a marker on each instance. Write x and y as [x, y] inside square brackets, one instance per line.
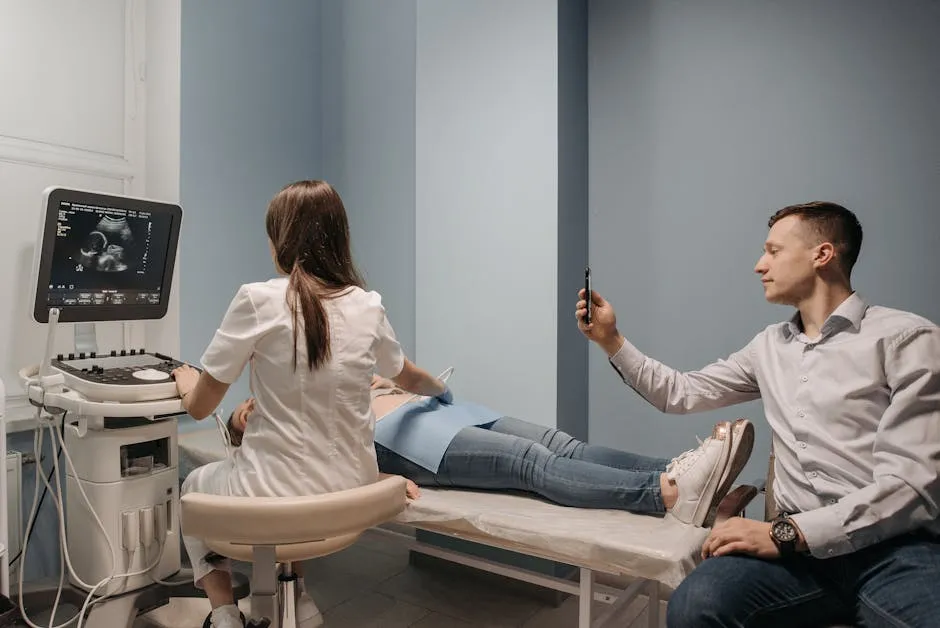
[120, 376]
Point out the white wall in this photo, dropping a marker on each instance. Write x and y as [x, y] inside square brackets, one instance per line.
[102, 115]
[77, 115]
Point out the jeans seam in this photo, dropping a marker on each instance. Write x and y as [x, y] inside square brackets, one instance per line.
[881, 612]
[792, 602]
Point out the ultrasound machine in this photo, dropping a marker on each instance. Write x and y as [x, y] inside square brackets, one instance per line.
[113, 412]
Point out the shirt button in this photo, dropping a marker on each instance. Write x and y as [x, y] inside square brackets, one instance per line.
[804, 379]
[801, 414]
[802, 445]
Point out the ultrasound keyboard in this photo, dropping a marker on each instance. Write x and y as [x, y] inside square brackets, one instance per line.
[121, 376]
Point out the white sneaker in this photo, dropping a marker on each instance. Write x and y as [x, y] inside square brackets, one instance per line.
[698, 474]
[308, 615]
[226, 617]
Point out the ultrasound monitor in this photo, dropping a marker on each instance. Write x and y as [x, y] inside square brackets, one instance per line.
[104, 257]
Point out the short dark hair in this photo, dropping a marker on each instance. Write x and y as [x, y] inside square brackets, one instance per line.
[833, 223]
[234, 435]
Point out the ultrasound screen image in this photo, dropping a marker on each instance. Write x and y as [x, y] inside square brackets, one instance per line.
[108, 246]
[108, 256]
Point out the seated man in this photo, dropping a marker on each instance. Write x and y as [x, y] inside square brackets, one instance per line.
[851, 392]
[463, 445]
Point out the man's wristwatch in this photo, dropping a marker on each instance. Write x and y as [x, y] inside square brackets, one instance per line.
[784, 535]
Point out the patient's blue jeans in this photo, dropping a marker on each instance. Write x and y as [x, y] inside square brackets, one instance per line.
[891, 584]
[515, 455]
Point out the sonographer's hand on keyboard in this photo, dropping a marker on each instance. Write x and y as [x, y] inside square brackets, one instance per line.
[186, 378]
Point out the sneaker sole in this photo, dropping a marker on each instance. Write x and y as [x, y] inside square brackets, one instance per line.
[704, 509]
[742, 443]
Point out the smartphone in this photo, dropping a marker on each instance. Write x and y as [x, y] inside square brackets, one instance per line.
[587, 294]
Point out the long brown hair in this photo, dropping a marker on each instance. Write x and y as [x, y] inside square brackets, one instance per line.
[307, 225]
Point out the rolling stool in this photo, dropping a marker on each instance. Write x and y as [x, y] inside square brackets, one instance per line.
[274, 532]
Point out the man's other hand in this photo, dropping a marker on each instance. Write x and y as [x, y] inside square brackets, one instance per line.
[739, 535]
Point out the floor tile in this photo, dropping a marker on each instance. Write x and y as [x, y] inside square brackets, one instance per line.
[642, 618]
[358, 560]
[331, 589]
[374, 610]
[456, 595]
[565, 616]
[438, 620]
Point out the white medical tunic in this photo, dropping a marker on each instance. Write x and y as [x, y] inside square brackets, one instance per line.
[311, 431]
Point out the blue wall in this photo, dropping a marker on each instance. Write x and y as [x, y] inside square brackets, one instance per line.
[487, 200]
[573, 401]
[408, 109]
[367, 90]
[708, 116]
[250, 123]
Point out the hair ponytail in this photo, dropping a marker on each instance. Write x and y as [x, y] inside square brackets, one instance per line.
[302, 288]
[309, 233]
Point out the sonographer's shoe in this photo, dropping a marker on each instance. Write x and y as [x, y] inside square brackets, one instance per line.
[697, 474]
[308, 615]
[226, 617]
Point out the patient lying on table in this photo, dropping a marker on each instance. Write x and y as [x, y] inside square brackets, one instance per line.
[465, 445]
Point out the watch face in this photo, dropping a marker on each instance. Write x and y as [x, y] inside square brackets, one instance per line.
[784, 531]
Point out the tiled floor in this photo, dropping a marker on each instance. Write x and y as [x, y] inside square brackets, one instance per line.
[372, 585]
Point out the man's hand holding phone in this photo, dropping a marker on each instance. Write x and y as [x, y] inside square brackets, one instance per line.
[602, 327]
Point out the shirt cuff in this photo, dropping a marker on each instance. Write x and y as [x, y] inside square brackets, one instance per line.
[822, 531]
[627, 362]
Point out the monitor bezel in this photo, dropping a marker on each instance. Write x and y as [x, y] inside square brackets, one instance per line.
[52, 198]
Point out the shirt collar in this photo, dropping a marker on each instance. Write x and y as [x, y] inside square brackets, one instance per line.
[850, 312]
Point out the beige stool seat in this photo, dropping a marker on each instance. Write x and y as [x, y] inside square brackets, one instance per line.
[287, 553]
[269, 531]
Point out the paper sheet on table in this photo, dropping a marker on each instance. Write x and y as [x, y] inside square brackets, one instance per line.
[611, 541]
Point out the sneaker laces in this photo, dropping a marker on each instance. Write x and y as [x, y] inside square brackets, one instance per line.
[685, 460]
